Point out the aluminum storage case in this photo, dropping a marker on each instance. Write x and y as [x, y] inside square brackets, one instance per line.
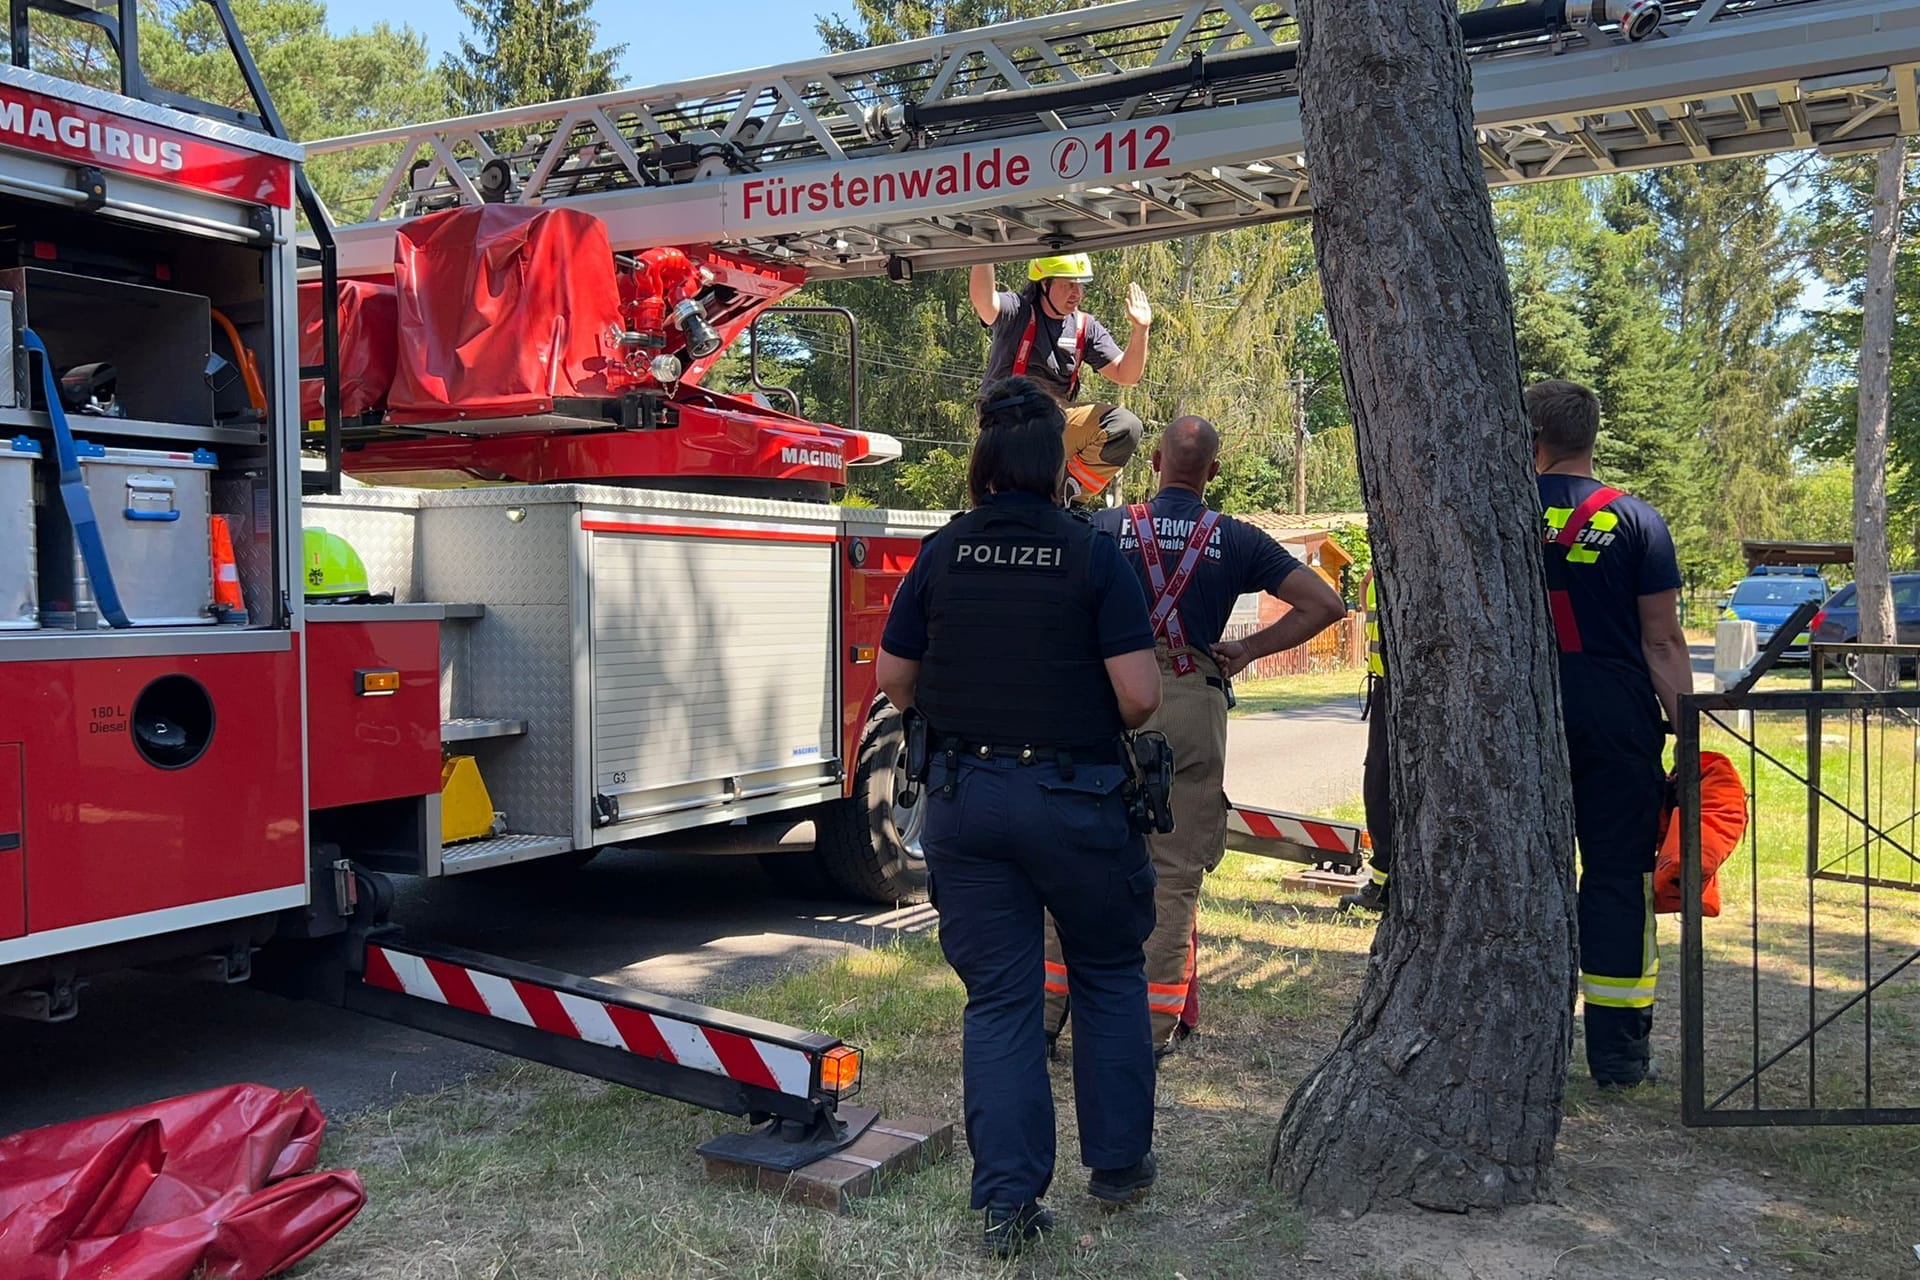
[153, 508]
[19, 604]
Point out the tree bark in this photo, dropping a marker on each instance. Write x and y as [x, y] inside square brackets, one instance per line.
[1872, 569]
[1445, 1090]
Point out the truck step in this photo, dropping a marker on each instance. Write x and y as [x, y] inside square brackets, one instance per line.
[476, 855]
[476, 728]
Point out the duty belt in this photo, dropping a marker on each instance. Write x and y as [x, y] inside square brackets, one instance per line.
[961, 748]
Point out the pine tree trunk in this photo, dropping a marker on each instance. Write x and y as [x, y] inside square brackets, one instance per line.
[1871, 565]
[1445, 1090]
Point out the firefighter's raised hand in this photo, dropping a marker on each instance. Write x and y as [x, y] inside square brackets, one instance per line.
[1139, 310]
[1233, 657]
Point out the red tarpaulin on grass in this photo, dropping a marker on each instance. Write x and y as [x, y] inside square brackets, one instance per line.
[213, 1184]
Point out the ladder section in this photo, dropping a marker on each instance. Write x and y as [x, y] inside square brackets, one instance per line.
[1125, 123]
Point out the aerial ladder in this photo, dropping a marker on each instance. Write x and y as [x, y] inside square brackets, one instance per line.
[1107, 126]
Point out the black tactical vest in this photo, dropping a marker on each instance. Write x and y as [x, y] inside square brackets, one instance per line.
[1013, 653]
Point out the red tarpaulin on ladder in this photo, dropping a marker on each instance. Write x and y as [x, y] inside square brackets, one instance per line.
[501, 310]
[214, 1184]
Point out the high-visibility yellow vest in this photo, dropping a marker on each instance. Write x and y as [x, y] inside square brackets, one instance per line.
[1376, 652]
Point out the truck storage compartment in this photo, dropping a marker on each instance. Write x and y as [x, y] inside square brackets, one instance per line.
[19, 603]
[153, 510]
[157, 340]
[744, 712]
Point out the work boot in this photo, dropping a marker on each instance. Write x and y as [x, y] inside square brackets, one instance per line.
[1116, 1187]
[1011, 1230]
[1652, 1076]
[1371, 896]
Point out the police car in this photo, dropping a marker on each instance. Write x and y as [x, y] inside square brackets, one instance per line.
[1768, 596]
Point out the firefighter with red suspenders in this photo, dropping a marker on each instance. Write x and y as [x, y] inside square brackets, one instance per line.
[1042, 334]
[1613, 585]
[1194, 563]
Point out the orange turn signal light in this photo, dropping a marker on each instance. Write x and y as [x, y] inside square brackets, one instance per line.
[372, 683]
[840, 1071]
[1366, 839]
[864, 653]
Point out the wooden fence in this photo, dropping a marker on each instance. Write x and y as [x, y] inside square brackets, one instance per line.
[1340, 647]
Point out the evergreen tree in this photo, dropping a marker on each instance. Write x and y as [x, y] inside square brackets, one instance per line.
[1728, 256]
[523, 51]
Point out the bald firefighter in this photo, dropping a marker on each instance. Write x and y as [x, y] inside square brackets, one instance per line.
[1041, 333]
[1194, 564]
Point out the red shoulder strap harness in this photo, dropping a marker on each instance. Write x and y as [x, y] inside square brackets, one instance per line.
[1166, 595]
[1565, 627]
[1033, 329]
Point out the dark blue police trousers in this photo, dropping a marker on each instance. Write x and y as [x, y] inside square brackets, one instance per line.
[1010, 841]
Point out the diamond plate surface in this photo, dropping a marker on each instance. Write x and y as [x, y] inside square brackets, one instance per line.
[249, 523]
[500, 850]
[520, 664]
[476, 553]
[383, 531]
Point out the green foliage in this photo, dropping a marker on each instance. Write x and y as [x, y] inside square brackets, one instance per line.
[522, 51]
[322, 84]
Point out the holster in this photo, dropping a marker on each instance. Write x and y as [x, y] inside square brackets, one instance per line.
[1150, 788]
[919, 755]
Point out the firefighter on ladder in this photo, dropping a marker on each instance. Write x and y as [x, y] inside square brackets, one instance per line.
[1194, 563]
[1042, 334]
[1613, 588]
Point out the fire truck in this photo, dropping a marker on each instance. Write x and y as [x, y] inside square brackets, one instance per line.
[418, 545]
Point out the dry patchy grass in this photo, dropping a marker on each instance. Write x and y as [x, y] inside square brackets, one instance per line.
[533, 1173]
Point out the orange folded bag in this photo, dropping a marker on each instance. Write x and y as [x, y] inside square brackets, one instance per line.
[1723, 821]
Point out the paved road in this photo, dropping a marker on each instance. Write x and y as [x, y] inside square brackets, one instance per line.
[672, 924]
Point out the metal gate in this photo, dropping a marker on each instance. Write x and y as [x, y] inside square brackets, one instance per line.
[1801, 999]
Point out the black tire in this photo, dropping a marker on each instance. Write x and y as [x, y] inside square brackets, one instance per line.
[860, 844]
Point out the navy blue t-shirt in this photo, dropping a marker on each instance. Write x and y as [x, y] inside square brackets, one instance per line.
[1238, 559]
[1625, 553]
[1121, 617]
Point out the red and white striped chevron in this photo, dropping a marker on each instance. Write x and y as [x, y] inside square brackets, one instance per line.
[648, 1035]
[1265, 824]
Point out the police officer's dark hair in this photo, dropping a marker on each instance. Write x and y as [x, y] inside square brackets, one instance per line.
[1565, 417]
[1022, 446]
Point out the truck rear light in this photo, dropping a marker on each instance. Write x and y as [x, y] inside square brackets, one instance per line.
[1813, 628]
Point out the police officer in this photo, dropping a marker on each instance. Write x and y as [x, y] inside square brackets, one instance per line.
[1374, 793]
[1022, 639]
[1613, 585]
[1194, 563]
[1042, 334]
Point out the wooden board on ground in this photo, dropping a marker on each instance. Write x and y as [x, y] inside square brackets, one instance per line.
[1315, 880]
[889, 1148]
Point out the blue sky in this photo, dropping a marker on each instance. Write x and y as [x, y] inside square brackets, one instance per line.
[664, 44]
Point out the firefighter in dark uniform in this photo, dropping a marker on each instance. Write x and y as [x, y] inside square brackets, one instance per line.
[1613, 590]
[1021, 638]
[1374, 792]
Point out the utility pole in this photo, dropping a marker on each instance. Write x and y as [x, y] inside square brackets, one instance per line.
[1299, 446]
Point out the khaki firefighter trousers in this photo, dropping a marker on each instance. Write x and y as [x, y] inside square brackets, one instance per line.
[1101, 439]
[1193, 716]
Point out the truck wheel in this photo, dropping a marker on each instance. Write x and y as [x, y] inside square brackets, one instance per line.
[868, 845]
